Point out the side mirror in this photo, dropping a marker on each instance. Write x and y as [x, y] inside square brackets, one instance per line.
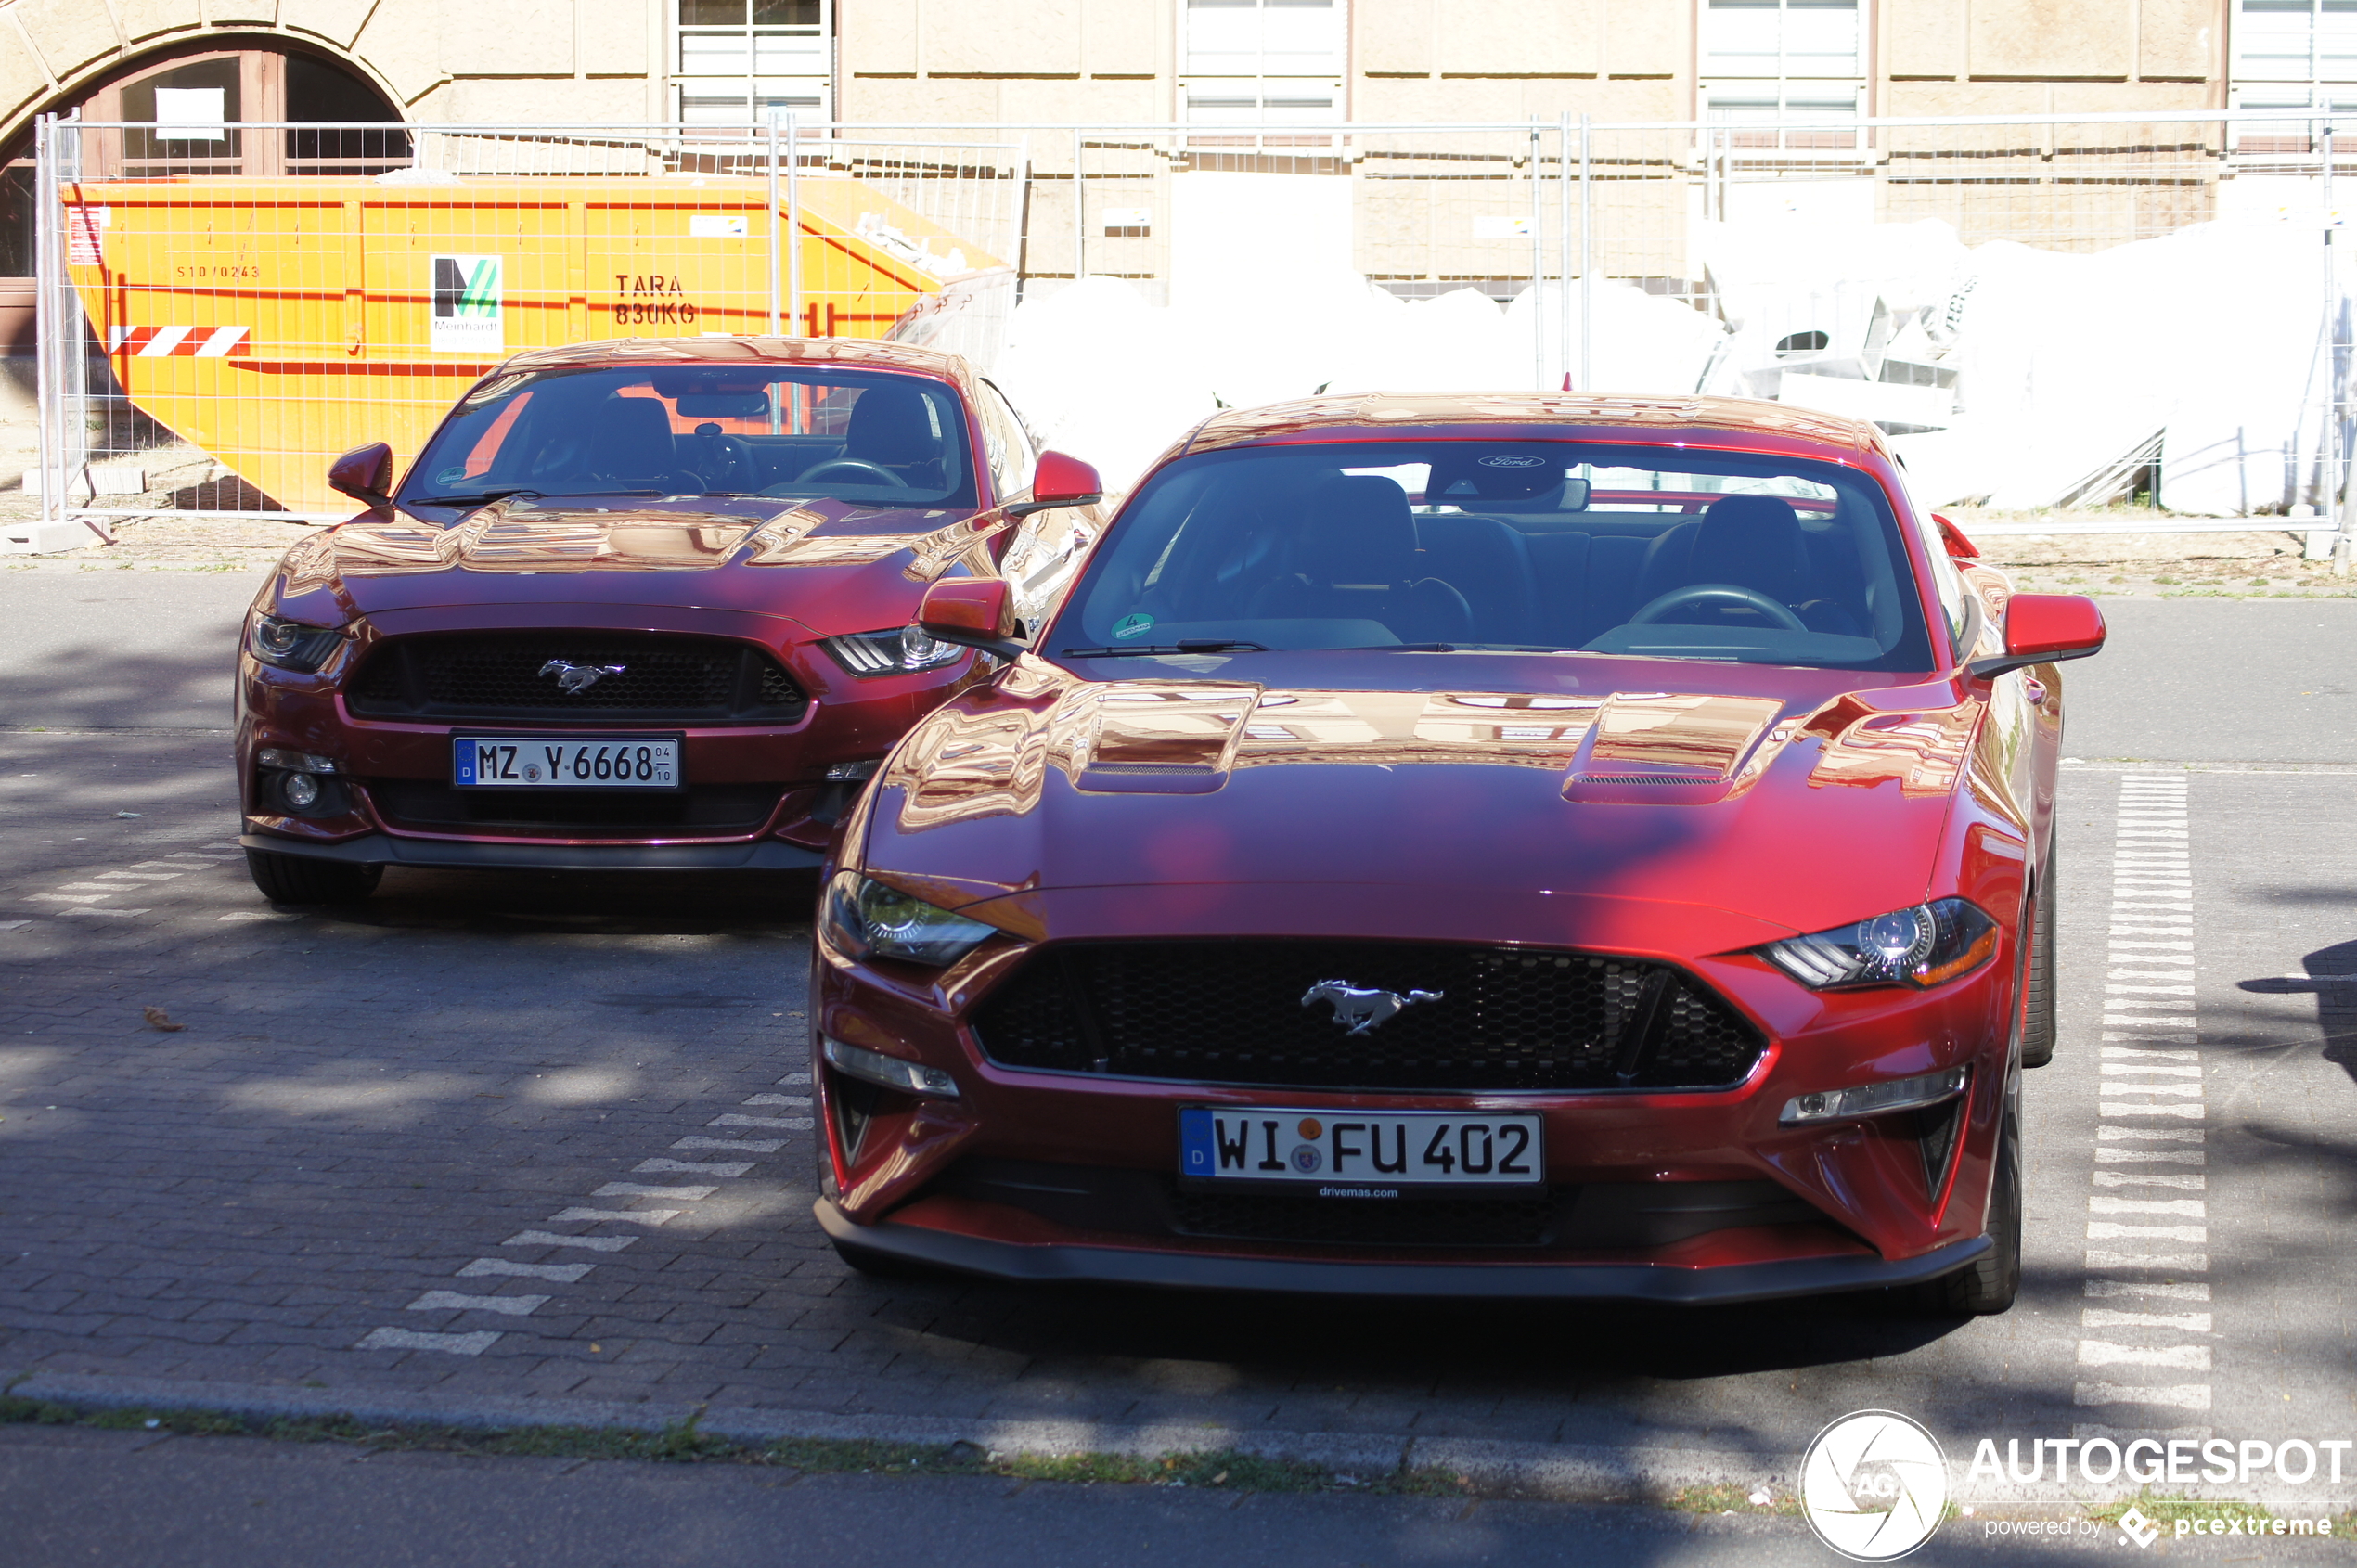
[2044, 629]
[1060, 481]
[1959, 548]
[364, 473]
[970, 611]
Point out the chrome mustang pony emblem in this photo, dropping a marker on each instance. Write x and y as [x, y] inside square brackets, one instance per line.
[1362, 1009]
[572, 679]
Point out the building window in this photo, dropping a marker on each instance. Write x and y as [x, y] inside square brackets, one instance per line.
[736, 62]
[1767, 63]
[1247, 61]
[2293, 54]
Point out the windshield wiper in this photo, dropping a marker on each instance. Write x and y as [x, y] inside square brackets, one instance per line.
[481, 497]
[1184, 644]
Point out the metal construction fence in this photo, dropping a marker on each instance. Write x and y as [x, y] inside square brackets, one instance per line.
[217, 318]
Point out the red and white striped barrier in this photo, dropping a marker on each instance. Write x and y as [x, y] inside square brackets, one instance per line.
[201, 342]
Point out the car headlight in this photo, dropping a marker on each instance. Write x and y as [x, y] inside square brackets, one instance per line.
[865, 920]
[1927, 945]
[291, 645]
[897, 650]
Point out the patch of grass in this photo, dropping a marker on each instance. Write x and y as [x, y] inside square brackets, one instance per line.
[1730, 1499]
[2167, 1508]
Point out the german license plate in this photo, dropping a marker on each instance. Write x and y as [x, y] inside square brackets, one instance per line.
[564, 761]
[1355, 1154]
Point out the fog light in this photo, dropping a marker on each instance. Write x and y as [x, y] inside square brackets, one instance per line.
[301, 790]
[301, 762]
[890, 1072]
[1873, 1100]
[854, 770]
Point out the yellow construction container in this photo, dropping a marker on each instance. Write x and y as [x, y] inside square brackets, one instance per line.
[276, 323]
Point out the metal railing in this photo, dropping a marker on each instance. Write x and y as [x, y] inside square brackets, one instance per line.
[1882, 267]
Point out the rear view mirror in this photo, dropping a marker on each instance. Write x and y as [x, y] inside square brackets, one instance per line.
[2045, 629]
[971, 611]
[1060, 481]
[364, 473]
[723, 405]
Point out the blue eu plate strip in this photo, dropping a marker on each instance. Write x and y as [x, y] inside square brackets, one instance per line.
[463, 759]
[1196, 1156]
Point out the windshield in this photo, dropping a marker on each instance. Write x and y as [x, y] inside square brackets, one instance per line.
[732, 430]
[1530, 545]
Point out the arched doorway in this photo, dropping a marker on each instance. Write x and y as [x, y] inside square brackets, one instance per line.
[199, 96]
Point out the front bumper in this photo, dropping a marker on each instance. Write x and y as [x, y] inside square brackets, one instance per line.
[383, 849]
[1665, 1284]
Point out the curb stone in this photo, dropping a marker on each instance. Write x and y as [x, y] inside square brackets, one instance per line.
[1561, 1473]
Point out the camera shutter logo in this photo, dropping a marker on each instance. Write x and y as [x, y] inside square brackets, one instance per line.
[1874, 1486]
[468, 299]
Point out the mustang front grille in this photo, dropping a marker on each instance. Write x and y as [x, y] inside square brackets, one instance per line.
[713, 810]
[1497, 1018]
[635, 678]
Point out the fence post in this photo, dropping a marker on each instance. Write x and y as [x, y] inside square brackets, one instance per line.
[775, 258]
[794, 225]
[1538, 258]
[1587, 260]
[44, 316]
[1079, 215]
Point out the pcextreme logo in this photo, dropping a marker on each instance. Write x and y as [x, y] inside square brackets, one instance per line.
[1874, 1486]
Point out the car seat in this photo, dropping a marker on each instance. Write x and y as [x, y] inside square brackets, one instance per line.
[631, 445]
[1751, 541]
[1353, 558]
[893, 427]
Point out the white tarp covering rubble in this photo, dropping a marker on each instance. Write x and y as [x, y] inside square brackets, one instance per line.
[2022, 376]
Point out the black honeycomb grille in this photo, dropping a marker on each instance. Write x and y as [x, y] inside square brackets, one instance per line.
[1231, 1013]
[658, 679]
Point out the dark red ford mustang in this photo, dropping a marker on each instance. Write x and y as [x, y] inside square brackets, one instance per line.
[1507, 845]
[638, 604]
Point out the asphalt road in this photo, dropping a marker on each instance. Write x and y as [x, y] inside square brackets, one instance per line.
[370, 1171]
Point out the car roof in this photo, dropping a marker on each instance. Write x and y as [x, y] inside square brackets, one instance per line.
[1705, 421]
[866, 354]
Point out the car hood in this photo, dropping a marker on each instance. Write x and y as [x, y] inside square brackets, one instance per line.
[826, 564]
[1778, 810]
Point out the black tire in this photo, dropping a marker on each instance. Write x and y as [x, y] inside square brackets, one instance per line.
[879, 1266]
[297, 879]
[1988, 1287]
[2038, 1011]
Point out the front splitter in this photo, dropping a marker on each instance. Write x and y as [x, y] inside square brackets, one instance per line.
[1545, 1281]
[383, 849]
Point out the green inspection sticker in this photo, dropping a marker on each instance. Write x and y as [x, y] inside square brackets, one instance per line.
[1133, 626]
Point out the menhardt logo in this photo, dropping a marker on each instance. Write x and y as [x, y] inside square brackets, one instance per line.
[573, 680]
[1363, 1009]
[1874, 1486]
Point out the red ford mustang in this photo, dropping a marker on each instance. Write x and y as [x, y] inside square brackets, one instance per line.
[637, 605]
[1507, 845]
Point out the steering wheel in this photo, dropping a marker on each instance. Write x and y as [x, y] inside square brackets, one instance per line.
[876, 472]
[731, 455]
[1718, 593]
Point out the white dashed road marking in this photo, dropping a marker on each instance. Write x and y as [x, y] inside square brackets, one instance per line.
[2148, 1074]
[476, 1343]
